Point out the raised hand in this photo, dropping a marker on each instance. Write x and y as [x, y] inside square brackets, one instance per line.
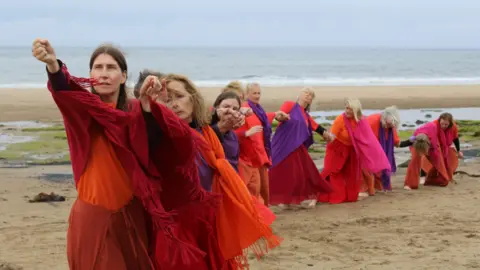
[44, 52]
[151, 89]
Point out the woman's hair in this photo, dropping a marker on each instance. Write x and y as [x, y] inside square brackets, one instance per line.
[199, 110]
[141, 78]
[223, 96]
[447, 117]
[119, 57]
[236, 87]
[311, 92]
[392, 114]
[421, 144]
[356, 107]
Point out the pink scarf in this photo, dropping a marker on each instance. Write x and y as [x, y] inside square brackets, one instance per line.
[369, 152]
[431, 129]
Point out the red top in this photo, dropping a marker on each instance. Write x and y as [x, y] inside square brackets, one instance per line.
[252, 149]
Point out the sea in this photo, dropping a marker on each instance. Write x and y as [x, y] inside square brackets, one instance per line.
[268, 66]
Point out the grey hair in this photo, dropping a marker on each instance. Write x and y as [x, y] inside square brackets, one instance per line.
[392, 114]
[252, 85]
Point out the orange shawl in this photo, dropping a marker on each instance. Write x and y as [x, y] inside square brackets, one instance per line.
[239, 225]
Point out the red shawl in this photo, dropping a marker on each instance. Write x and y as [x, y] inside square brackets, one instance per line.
[127, 133]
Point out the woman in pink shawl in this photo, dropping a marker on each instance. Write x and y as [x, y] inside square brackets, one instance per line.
[355, 148]
[432, 153]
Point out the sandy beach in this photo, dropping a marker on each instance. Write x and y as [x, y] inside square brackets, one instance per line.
[37, 104]
[431, 228]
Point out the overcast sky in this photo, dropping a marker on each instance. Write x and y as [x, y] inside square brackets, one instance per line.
[347, 23]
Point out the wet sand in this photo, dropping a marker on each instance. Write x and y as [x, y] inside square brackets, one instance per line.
[37, 104]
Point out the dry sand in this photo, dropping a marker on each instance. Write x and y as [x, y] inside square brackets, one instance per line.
[37, 104]
[432, 228]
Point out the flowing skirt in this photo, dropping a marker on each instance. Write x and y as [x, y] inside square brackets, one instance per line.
[342, 170]
[99, 239]
[296, 179]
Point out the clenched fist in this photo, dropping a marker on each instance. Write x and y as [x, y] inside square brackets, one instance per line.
[43, 51]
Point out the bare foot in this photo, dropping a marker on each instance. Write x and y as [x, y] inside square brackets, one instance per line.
[422, 180]
[407, 188]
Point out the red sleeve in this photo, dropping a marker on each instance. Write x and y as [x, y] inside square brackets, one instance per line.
[241, 131]
[455, 130]
[313, 123]
[287, 106]
[270, 116]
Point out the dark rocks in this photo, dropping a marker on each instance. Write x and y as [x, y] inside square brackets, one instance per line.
[420, 122]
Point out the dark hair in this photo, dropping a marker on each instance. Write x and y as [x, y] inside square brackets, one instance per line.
[119, 57]
[448, 117]
[141, 78]
[223, 96]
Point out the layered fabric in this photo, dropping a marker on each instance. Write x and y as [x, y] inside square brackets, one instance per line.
[266, 125]
[441, 161]
[255, 152]
[240, 226]
[294, 176]
[119, 239]
[354, 149]
[388, 139]
[126, 133]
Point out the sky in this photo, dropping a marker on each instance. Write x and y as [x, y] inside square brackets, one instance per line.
[246, 23]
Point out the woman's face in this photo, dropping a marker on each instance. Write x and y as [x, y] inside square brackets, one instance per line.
[180, 101]
[230, 103]
[348, 111]
[444, 124]
[306, 98]
[108, 74]
[254, 94]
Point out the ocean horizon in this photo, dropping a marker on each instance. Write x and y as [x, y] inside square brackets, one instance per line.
[269, 66]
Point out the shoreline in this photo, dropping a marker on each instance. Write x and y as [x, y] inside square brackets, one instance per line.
[36, 104]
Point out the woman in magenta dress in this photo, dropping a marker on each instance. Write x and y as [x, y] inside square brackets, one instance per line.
[294, 177]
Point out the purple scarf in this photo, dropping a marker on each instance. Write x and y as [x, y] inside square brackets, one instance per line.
[387, 145]
[290, 135]
[267, 127]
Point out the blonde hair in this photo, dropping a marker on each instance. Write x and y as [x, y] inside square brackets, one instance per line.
[421, 144]
[235, 86]
[199, 114]
[356, 107]
[392, 114]
[308, 90]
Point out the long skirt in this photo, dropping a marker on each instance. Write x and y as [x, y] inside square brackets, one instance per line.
[296, 179]
[256, 180]
[343, 172]
[440, 176]
[99, 239]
